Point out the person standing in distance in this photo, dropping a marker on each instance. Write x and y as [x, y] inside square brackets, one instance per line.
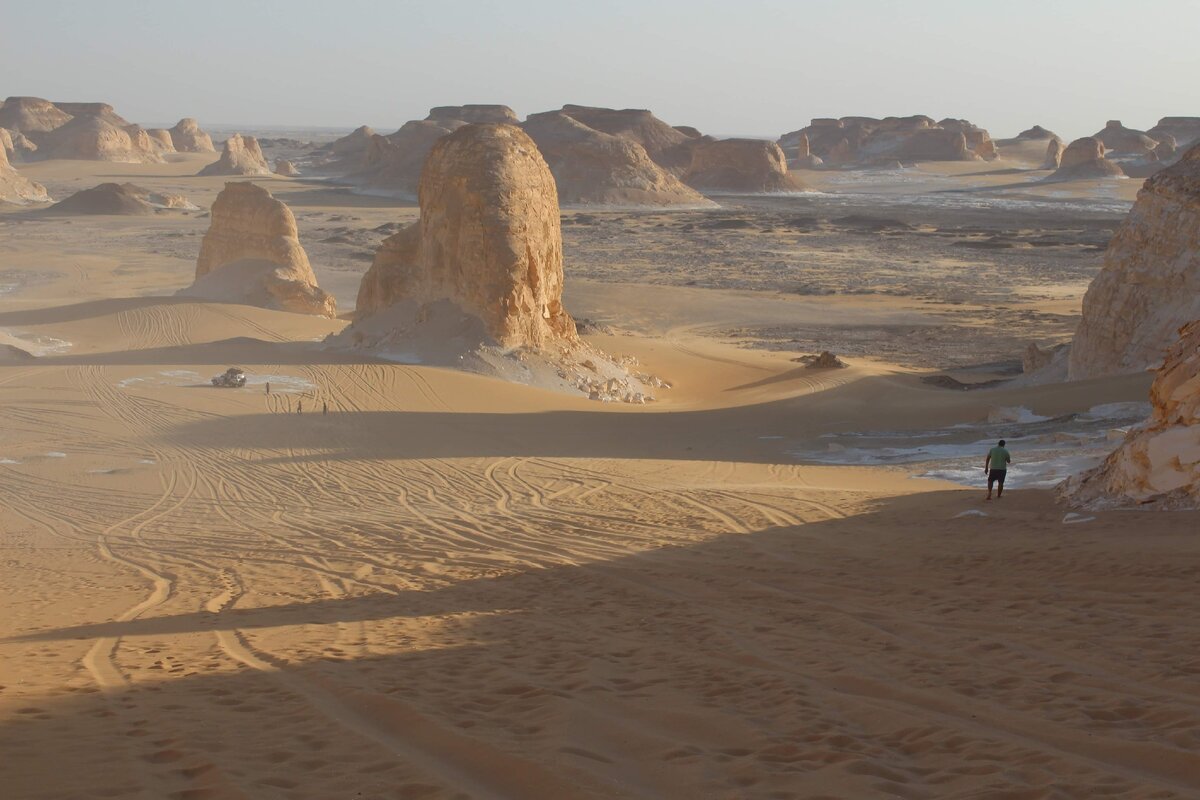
[996, 467]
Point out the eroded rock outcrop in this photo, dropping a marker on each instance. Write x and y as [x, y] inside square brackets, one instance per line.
[1037, 133]
[286, 168]
[161, 139]
[1185, 131]
[17, 146]
[592, 167]
[188, 137]
[120, 199]
[1084, 158]
[870, 141]
[1054, 154]
[740, 165]
[488, 243]
[1149, 285]
[1124, 141]
[473, 114]
[251, 254]
[15, 187]
[240, 155]
[1158, 463]
[94, 138]
[668, 147]
[31, 115]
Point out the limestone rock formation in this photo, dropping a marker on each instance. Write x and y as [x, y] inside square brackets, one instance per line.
[488, 243]
[161, 139]
[241, 155]
[15, 187]
[119, 199]
[94, 138]
[592, 167]
[1150, 282]
[870, 141]
[1184, 130]
[1084, 158]
[1124, 141]
[251, 254]
[1158, 463]
[668, 147]
[285, 168]
[188, 137]
[1037, 133]
[478, 113]
[1054, 154]
[100, 110]
[740, 165]
[31, 115]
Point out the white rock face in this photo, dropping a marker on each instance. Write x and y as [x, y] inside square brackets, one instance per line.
[1158, 464]
[241, 155]
[15, 187]
[1150, 283]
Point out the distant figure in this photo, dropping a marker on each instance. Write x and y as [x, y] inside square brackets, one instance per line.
[299, 406]
[324, 409]
[996, 467]
[268, 387]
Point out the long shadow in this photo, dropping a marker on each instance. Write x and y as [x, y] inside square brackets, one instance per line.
[90, 309]
[795, 655]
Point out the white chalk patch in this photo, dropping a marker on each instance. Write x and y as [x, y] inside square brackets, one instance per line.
[147, 461]
[280, 383]
[9, 461]
[770, 437]
[1074, 519]
[971, 512]
[55, 454]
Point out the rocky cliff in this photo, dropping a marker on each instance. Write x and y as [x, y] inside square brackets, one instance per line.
[15, 187]
[740, 165]
[189, 138]
[1150, 282]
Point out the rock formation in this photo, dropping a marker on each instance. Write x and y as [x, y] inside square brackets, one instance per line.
[740, 165]
[869, 141]
[251, 254]
[31, 115]
[119, 199]
[17, 146]
[240, 155]
[345, 155]
[1158, 463]
[15, 187]
[189, 138]
[488, 243]
[596, 168]
[285, 168]
[1084, 158]
[1150, 282]
[478, 113]
[1054, 154]
[99, 110]
[97, 139]
[161, 139]
[1124, 141]
[1037, 133]
[1184, 130]
[668, 147]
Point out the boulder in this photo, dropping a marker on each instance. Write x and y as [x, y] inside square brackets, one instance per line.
[1158, 463]
[251, 254]
[488, 245]
[1054, 154]
[1084, 158]
[1124, 141]
[240, 155]
[592, 167]
[15, 187]
[189, 138]
[95, 138]
[1150, 282]
[1184, 130]
[285, 168]
[119, 199]
[161, 139]
[740, 165]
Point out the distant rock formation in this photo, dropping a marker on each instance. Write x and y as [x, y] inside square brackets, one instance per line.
[478, 113]
[688, 131]
[592, 167]
[161, 139]
[1185, 131]
[1124, 141]
[188, 137]
[251, 254]
[1037, 133]
[15, 187]
[740, 165]
[99, 110]
[119, 199]
[870, 141]
[668, 147]
[393, 163]
[240, 155]
[801, 155]
[1158, 463]
[1150, 283]
[17, 146]
[285, 168]
[97, 139]
[1084, 158]
[1054, 154]
[345, 155]
[488, 243]
[31, 115]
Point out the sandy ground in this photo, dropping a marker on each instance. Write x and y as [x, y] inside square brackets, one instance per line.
[450, 586]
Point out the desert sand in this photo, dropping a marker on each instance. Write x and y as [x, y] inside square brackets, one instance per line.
[451, 585]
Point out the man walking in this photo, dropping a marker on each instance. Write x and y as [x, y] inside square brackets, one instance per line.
[996, 467]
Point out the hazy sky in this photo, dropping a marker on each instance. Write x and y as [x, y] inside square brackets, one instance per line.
[735, 67]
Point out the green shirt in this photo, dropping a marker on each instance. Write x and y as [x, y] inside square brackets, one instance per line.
[999, 457]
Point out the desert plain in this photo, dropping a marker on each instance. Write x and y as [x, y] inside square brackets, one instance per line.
[398, 580]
